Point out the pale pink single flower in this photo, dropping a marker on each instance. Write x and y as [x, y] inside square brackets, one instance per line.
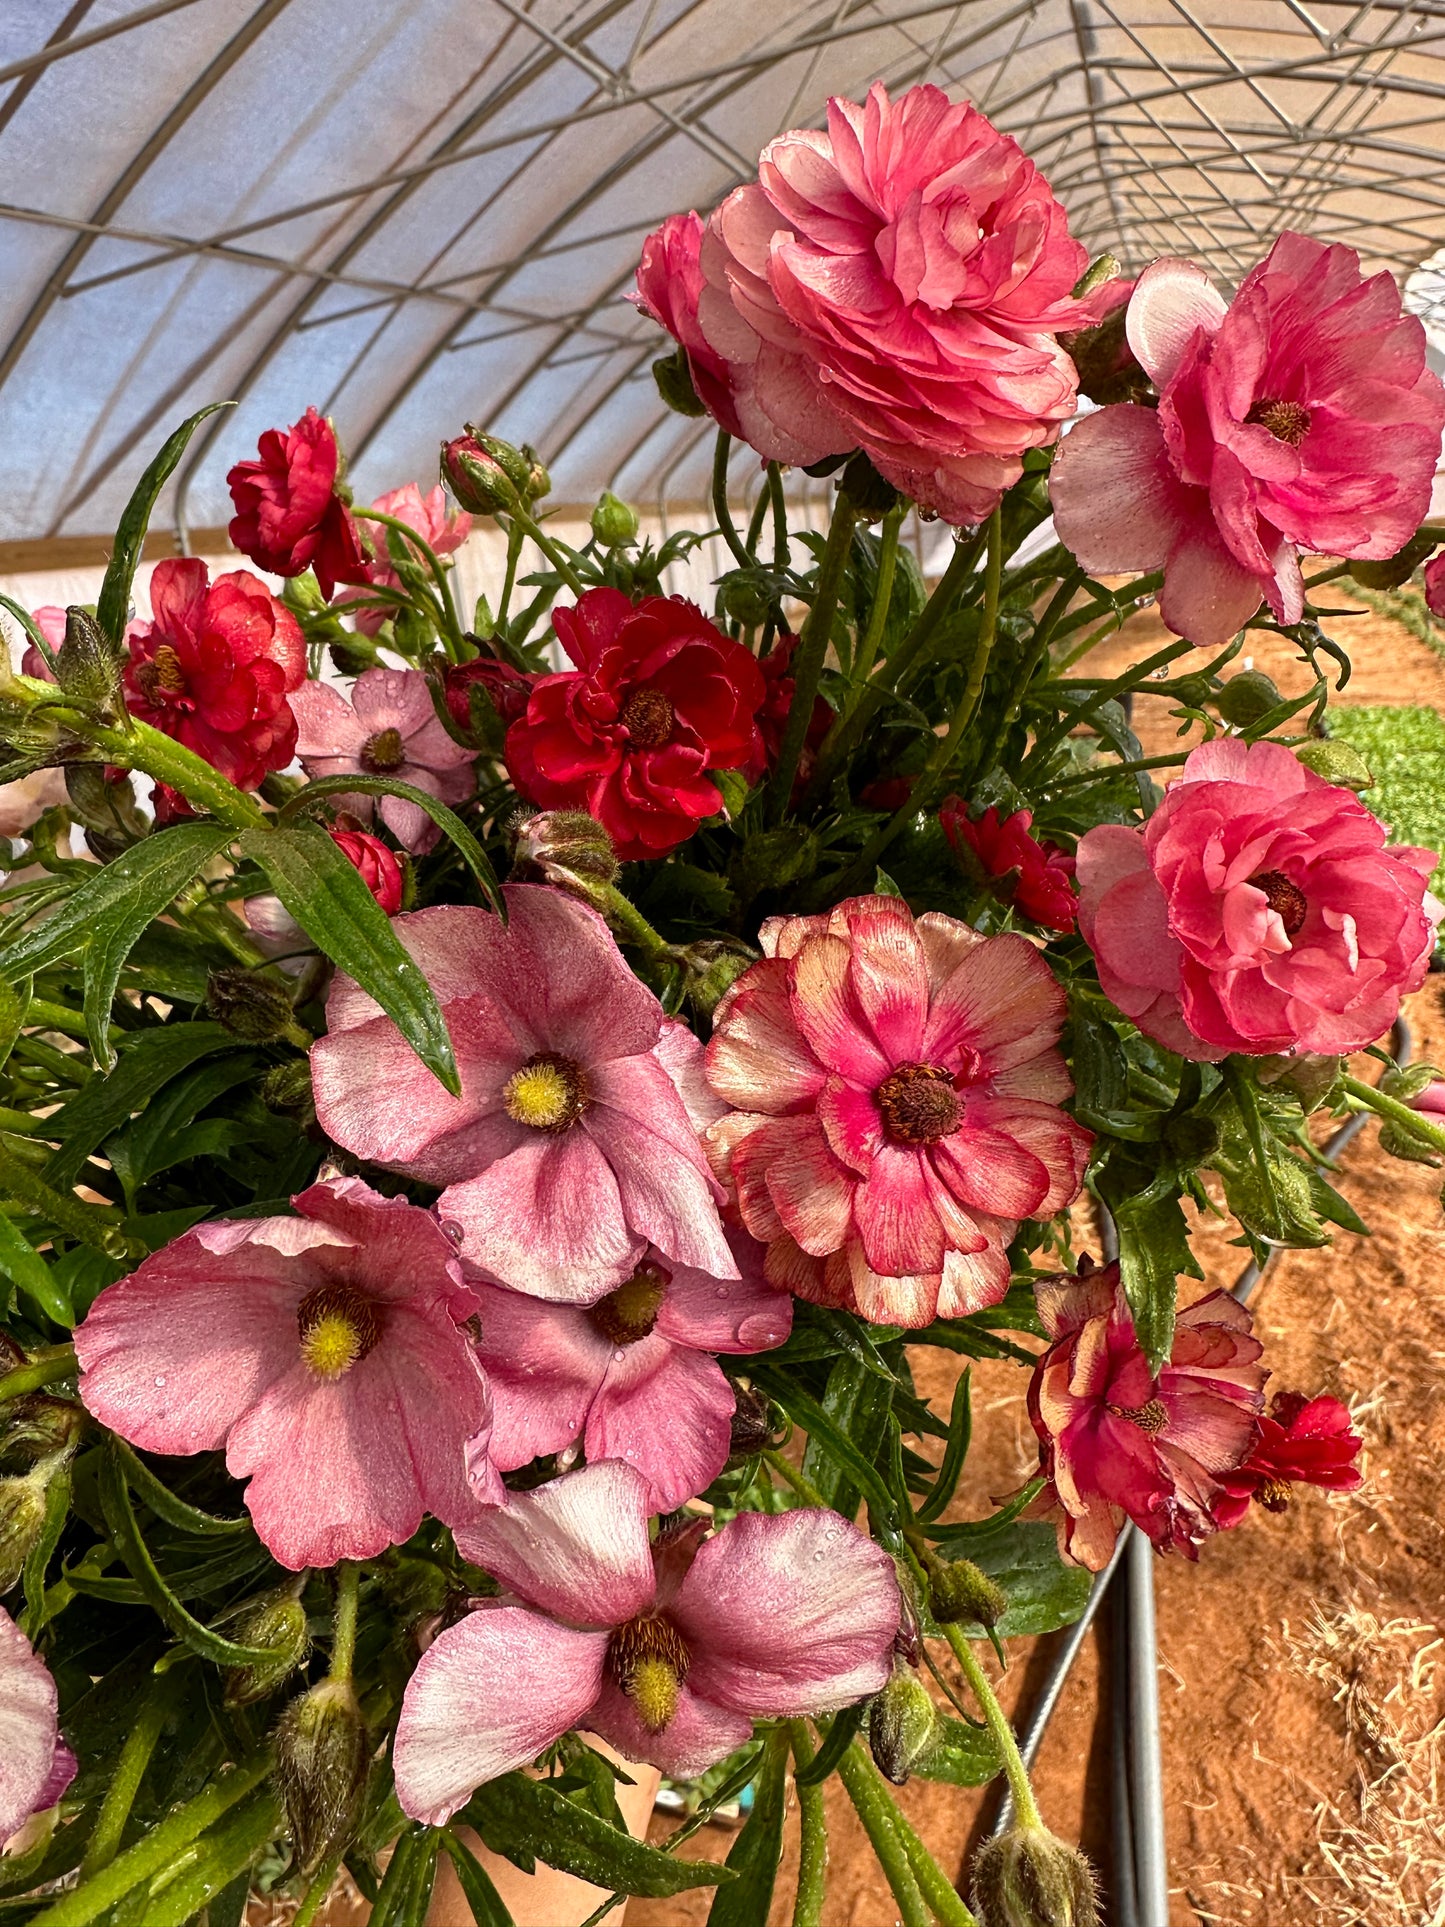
[36, 1766]
[389, 728]
[669, 1652]
[570, 1149]
[1259, 909]
[1299, 416]
[631, 1377]
[49, 619]
[896, 1085]
[441, 527]
[1117, 1441]
[326, 1353]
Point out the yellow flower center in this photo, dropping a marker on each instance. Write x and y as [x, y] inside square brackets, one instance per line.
[549, 1092]
[382, 752]
[337, 1328]
[629, 1313]
[649, 1660]
[1151, 1417]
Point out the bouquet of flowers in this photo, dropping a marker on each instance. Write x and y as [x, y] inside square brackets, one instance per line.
[470, 1207]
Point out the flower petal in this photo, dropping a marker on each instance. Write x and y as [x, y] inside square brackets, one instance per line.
[1172, 300]
[576, 1547]
[668, 1412]
[698, 1735]
[28, 1733]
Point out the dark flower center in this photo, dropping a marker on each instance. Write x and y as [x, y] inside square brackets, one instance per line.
[383, 752]
[649, 1660]
[919, 1104]
[1287, 421]
[629, 1313]
[162, 675]
[337, 1328]
[1151, 1418]
[549, 1092]
[1274, 1494]
[647, 716]
[1286, 899]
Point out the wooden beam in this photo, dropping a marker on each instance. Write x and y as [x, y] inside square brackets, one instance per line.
[54, 552]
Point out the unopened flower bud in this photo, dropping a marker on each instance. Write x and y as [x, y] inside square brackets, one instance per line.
[1309, 1076]
[86, 666]
[277, 1620]
[613, 522]
[248, 1005]
[752, 1423]
[902, 1725]
[484, 473]
[959, 1590]
[537, 482]
[674, 384]
[746, 598]
[1194, 691]
[286, 1088]
[1027, 1877]
[1107, 367]
[713, 966]
[1246, 697]
[567, 848]
[351, 658]
[22, 1514]
[1337, 762]
[321, 1760]
[42, 1427]
[1394, 569]
[871, 496]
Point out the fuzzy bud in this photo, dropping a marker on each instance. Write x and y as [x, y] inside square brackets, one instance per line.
[1393, 570]
[713, 966]
[567, 848]
[1337, 762]
[959, 1590]
[746, 598]
[249, 1006]
[902, 1725]
[1246, 697]
[866, 489]
[322, 1756]
[22, 1514]
[286, 1089]
[277, 1620]
[752, 1423]
[1028, 1877]
[86, 666]
[614, 523]
[42, 1427]
[674, 384]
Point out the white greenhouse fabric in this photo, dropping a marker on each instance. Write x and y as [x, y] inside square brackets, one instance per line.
[413, 212]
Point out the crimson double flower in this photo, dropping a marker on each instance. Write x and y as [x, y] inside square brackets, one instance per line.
[290, 515]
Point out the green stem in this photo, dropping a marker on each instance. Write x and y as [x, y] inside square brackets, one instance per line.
[549, 548]
[722, 514]
[1327, 575]
[1368, 1098]
[755, 521]
[876, 1811]
[813, 1835]
[143, 748]
[344, 1614]
[1043, 637]
[38, 1373]
[910, 656]
[1026, 1808]
[938, 1890]
[1135, 675]
[125, 1782]
[790, 1475]
[43, 1015]
[632, 927]
[86, 1223]
[882, 595]
[808, 657]
[514, 552]
[782, 556]
[452, 629]
[1146, 585]
[1101, 771]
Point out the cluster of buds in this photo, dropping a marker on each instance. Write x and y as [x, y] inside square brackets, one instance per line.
[489, 476]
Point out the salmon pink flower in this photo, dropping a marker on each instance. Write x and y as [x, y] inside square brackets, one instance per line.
[667, 1651]
[631, 1377]
[1117, 1441]
[1040, 875]
[326, 1353]
[442, 529]
[658, 698]
[1301, 1442]
[375, 864]
[1299, 416]
[290, 514]
[571, 1147]
[896, 1089]
[389, 728]
[36, 1766]
[1259, 910]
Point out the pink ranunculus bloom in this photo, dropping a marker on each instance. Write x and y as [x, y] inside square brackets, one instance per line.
[1040, 875]
[897, 282]
[1300, 416]
[327, 1353]
[1116, 1441]
[896, 1089]
[36, 1766]
[668, 1651]
[571, 1148]
[1302, 1441]
[669, 288]
[1259, 910]
[389, 728]
[631, 1377]
[1431, 1099]
[441, 527]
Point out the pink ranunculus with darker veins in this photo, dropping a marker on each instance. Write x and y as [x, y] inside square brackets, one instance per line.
[1118, 1441]
[327, 1353]
[632, 1377]
[389, 728]
[1302, 1441]
[1299, 416]
[896, 1089]
[1260, 909]
[668, 1652]
[441, 527]
[36, 1766]
[669, 288]
[571, 1147]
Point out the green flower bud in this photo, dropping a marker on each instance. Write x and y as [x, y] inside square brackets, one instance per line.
[958, 1590]
[871, 496]
[613, 522]
[752, 1424]
[484, 473]
[674, 384]
[286, 1088]
[276, 1620]
[248, 1005]
[322, 1755]
[1337, 762]
[567, 848]
[1028, 1877]
[1397, 568]
[22, 1514]
[42, 1427]
[1246, 697]
[1194, 691]
[745, 598]
[350, 658]
[87, 667]
[713, 966]
[1191, 1138]
[1406, 1084]
[902, 1724]
[537, 481]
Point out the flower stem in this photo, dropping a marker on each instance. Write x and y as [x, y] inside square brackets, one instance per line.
[938, 1890]
[125, 1781]
[1369, 1099]
[631, 927]
[451, 628]
[344, 1615]
[876, 1811]
[318, 1890]
[38, 1373]
[813, 1832]
[722, 514]
[781, 554]
[529, 523]
[1102, 770]
[789, 1473]
[141, 747]
[808, 657]
[1016, 1773]
[1136, 674]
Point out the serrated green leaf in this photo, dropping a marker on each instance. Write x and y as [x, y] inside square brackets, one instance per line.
[528, 1820]
[113, 606]
[755, 1854]
[1044, 1592]
[445, 819]
[322, 890]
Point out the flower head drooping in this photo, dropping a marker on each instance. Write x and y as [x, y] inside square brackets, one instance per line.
[1259, 910]
[659, 698]
[214, 667]
[326, 1353]
[389, 728]
[1302, 1441]
[1040, 875]
[290, 515]
[36, 1765]
[1116, 1440]
[508, 688]
[443, 529]
[571, 1148]
[631, 1377]
[896, 1088]
[668, 1651]
[376, 865]
[1299, 416]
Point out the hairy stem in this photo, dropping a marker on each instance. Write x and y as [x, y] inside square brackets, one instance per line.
[344, 1615]
[813, 1831]
[876, 1811]
[1369, 1099]
[808, 657]
[1015, 1772]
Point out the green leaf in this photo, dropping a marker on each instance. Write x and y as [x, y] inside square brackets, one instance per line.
[57, 1512]
[855, 1403]
[14, 1003]
[149, 1059]
[445, 819]
[32, 1276]
[164, 1503]
[1154, 1249]
[1044, 1592]
[755, 1854]
[962, 1755]
[528, 1820]
[488, 1907]
[166, 1132]
[405, 1893]
[219, 1856]
[30, 626]
[113, 607]
[836, 1743]
[960, 1431]
[324, 893]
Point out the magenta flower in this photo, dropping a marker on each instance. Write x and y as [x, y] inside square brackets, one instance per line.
[1301, 1441]
[630, 1377]
[1116, 1441]
[1299, 416]
[441, 527]
[667, 1651]
[570, 1149]
[36, 1766]
[1258, 910]
[389, 728]
[325, 1352]
[669, 288]
[897, 1098]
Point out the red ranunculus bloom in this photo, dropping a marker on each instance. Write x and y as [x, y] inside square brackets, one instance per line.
[507, 687]
[1302, 1441]
[289, 516]
[376, 864]
[658, 698]
[1044, 889]
[213, 668]
[778, 684]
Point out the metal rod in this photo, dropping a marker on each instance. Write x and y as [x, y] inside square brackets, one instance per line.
[1146, 1763]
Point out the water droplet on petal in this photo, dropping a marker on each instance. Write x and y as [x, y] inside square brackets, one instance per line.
[618, 1356]
[160, 1378]
[451, 1229]
[723, 1292]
